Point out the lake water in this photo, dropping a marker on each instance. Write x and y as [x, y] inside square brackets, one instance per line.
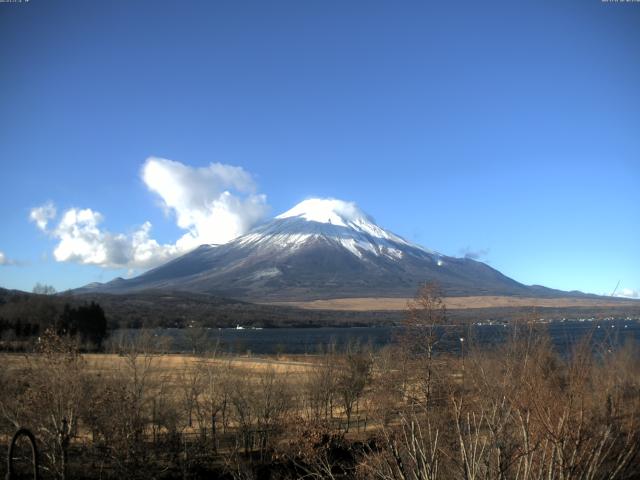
[309, 340]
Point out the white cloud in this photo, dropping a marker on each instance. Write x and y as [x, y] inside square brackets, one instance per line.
[6, 261]
[213, 204]
[474, 254]
[81, 240]
[628, 293]
[42, 214]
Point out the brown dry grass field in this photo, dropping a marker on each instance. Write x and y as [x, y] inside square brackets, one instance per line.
[456, 303]
[187, 416]
[171, 370]
[167, 364]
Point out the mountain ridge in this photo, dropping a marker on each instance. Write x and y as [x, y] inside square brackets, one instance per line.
[322, 249]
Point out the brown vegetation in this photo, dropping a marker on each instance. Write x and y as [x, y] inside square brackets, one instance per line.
[455, 303]
[518, 411]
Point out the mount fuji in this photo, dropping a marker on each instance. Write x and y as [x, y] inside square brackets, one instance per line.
[320, 249]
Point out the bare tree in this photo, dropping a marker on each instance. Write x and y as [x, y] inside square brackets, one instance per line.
[126, 402]
[54, 397]
[43, 289]
[320, 387]
[241, 398]
[423, 329]
[411, 451]
[273, 400]
[387, 384]
[191, 384]
[215, 394]
[319, 453]
[353, 376]
[198, 339]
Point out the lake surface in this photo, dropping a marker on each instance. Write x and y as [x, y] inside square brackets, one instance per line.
[311, 340]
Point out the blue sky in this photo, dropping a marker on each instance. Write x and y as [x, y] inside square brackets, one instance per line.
[510, 130]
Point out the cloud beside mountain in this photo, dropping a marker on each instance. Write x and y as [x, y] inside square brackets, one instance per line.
[4, 260]
[474, 254]
[213, 204]
[628, 293]
[42, 215]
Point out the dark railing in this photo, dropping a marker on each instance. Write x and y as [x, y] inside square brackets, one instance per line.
[22, 432]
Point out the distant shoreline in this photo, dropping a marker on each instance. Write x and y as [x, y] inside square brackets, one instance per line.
[455, 303]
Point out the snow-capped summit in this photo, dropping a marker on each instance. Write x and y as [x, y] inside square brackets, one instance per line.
[334, 221]
[321, 248]
[328, 210]
[339, 213]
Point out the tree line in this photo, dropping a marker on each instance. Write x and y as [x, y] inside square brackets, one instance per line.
[25, 318]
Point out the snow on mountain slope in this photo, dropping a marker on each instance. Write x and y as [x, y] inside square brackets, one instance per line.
[333, 220]
[340, 213]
